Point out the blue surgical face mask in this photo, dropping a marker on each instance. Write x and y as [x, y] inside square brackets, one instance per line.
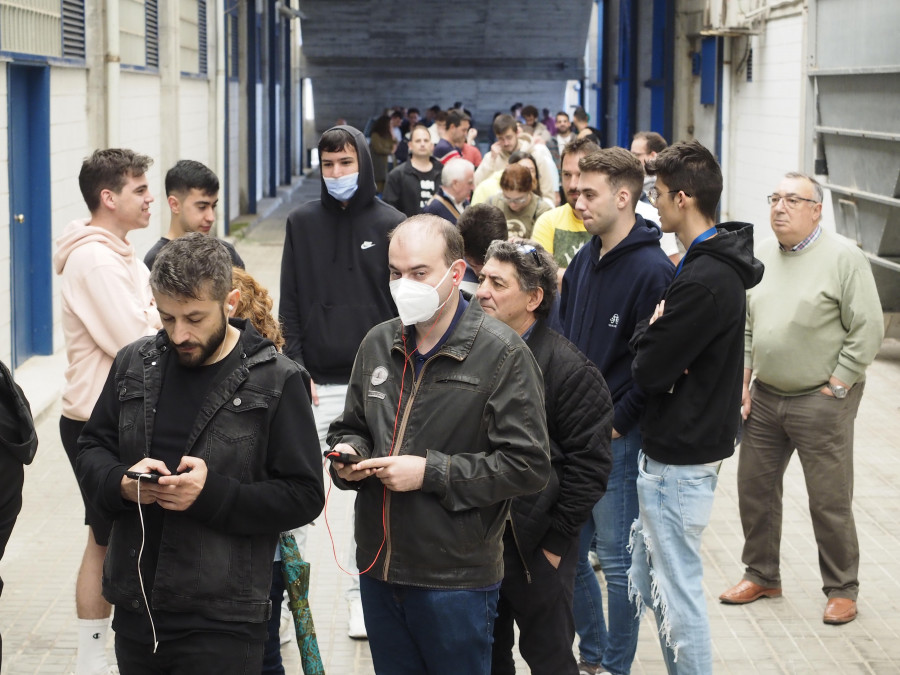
[342, 188]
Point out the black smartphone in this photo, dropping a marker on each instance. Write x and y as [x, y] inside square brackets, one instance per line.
[342, 457]
[150, 476]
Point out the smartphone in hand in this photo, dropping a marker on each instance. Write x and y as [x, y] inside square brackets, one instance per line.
[150, 476]
[342, 457]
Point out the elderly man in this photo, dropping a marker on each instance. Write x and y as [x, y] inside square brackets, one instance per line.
[813, 326]
[456, 189]
[445, 410]
[518, 285]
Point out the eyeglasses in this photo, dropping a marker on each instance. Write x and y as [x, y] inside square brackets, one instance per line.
[790, 201]
[524, 250]
[518, 201]
[654, 193]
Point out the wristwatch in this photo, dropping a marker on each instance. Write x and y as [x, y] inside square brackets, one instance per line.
[837, 390]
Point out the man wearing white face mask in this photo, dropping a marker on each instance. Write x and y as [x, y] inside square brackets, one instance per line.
[445, 409]
[334, 281]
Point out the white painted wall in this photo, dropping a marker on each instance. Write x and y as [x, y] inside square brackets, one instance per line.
[139, 129]
[69, 146]
[766, 120]
[193, 122]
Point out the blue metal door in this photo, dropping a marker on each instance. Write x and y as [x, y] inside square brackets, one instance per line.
[29, 207]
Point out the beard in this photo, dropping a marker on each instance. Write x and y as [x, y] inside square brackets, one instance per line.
[194, 359]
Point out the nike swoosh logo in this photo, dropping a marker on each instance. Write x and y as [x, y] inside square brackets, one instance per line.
[366, 244]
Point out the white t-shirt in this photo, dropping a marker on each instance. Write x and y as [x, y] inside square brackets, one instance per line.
[669, 242]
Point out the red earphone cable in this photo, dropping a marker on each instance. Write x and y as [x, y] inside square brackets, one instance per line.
[406, 356]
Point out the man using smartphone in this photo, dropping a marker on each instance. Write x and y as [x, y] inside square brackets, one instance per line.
[225, 420]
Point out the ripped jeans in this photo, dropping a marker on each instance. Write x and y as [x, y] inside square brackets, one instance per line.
[675, 504]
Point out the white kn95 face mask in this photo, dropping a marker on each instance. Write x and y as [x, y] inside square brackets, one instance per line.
[416, 301]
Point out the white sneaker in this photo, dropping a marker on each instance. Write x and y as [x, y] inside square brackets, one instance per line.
[112, 670]
[357, 624]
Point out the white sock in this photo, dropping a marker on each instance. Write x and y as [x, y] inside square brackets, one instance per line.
[92, 647]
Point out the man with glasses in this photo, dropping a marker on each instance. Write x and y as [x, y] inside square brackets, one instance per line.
[520, 205]
[508, 141]
[614, 281]
[518, 286]
[813, 326]
[688, 359]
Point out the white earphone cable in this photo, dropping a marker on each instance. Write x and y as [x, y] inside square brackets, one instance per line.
[141, 576]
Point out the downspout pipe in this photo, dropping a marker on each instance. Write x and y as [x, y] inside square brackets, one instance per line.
[112, 66]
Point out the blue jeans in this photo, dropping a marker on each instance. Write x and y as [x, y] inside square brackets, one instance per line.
[414, 631]
[608, 531]
[666, 568]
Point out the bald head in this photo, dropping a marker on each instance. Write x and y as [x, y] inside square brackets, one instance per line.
[425, 229]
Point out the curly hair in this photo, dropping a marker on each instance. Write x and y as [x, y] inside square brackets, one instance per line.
[535, 268]
[255, 304]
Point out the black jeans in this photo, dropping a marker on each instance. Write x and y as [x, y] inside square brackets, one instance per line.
[217, 653]
[272, 660]
[542, 609]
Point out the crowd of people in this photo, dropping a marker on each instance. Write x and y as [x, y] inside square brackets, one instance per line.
[515, 383]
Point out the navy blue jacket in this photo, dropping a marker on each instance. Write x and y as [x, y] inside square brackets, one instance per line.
[436, 207]
[602, 301]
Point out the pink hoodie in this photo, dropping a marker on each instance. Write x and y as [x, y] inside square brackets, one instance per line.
[106, 304]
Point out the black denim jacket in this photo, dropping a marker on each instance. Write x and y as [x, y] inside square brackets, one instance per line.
[264, 477]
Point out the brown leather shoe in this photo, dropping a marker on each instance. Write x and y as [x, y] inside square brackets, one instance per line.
[839, 610]
[747, 591]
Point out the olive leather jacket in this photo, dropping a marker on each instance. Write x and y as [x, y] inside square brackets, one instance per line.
[476, 414]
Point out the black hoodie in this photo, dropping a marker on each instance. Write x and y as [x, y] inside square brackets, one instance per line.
[334, 274]
[691, 360]
[18, 443]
